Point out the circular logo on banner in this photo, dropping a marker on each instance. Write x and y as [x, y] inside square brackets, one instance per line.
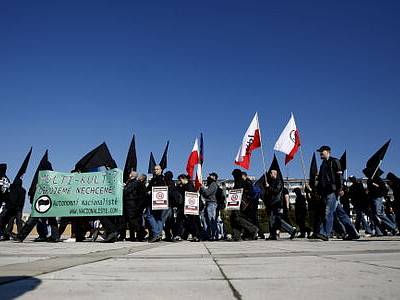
[192, 201]
[293, 136]
[235, 197]
[160, 196]
[43, 204]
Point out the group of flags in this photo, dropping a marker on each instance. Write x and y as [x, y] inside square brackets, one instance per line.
[289, 144]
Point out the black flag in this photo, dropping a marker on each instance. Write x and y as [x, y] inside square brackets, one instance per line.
[131, 160]
[274, 166]
[98, 157]
[375, 161]
[24, 166]
[152, 164]
[313, 171]
[164, 160]
[44, 165]
[343, 161]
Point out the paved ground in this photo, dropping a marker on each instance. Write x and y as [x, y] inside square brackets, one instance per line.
[364, 269]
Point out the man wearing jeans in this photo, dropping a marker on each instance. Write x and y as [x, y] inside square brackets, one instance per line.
[156, 218]
[377, 190]
[330, 188]
[208, 195]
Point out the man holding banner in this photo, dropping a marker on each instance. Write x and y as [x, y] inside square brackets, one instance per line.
[158, 211]
[192, 207]
[239, 201]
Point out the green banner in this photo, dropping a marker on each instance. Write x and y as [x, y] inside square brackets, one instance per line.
[78, 194]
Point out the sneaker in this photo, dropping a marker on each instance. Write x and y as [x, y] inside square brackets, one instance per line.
[321, 237]
[111, 238]
[69, 240]
[351, 237]
[155, 239]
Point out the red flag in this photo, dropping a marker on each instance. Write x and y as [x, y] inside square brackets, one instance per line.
[196, 159]
[250, 142]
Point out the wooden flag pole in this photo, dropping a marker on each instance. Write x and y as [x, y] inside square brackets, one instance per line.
[377, 168]
[303, 166]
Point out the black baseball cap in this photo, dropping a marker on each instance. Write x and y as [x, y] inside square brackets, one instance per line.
[324, 148]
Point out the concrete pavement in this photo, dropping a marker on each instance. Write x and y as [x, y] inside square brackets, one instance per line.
[363, 269]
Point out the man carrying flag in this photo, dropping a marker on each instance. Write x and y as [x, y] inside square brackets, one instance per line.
[377, 190]
[250, 142]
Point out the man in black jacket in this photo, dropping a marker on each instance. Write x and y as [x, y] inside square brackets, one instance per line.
[13, 209]
[301, 213]
[241, 219]
[359, 200]
[193, 224]
[273, 202]
[156, 218]
[330, 188]
[134, 202]
[377, 190]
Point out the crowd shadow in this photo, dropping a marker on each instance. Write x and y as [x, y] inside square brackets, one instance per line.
[12, 287]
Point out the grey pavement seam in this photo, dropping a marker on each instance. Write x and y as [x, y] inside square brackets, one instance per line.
[235, 292]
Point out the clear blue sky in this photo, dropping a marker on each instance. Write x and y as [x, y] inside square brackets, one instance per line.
[76, 73]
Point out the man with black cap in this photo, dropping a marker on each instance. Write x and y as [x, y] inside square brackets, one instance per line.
[209, 197]
[330, 183]
[394, 184]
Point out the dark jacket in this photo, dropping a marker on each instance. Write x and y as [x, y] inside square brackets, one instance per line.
[376, 191]
[189, 187]
[358, 196]
[330, 177]
[209, 193]
[273, 193]
[300, 207]
[134, 195]
[16, 196]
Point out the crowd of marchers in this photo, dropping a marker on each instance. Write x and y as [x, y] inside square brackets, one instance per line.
[322, 209]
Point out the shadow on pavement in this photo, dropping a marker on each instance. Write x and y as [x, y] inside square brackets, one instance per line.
[12, 287]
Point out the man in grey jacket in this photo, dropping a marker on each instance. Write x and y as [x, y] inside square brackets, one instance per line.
[208, 195]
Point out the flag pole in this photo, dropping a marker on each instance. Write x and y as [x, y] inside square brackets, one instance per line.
[262, 152]
[377, 168]
[303, 166]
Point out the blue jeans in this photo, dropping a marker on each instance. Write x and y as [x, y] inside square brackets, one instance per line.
[331, 204]
[379, 215]
[345, 220]
[210, 214]
[360, 220]
[156, 219]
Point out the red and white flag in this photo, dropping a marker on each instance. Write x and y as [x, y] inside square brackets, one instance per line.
[289, 140]
[251, 141]
[196, 160]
